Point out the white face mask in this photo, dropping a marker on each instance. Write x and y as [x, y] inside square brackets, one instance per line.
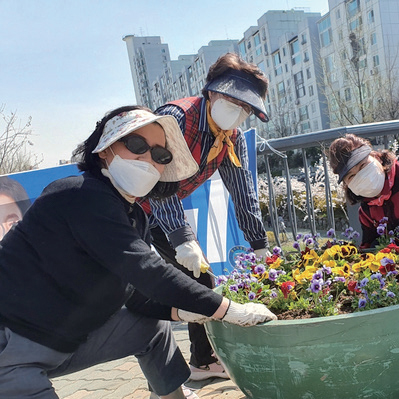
[135, 177]
[369, 181]
[228, 115]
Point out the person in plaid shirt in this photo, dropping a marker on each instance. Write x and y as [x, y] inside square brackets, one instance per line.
[234, 90]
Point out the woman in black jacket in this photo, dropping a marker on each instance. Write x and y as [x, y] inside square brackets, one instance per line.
[79, 284]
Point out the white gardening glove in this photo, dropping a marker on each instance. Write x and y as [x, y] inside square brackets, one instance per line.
[248, 314]
[262, 253]
[189, 255]
[191, 317]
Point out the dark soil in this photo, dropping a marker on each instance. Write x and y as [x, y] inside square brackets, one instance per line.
[345, 308]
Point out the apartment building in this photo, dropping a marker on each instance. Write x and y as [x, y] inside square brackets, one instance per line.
[157, 79]
[149, 58]
[324, 71]
[284, 44]
[359, 45]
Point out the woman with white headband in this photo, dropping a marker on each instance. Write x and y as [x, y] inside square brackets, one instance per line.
[370, 178]
[79, 284]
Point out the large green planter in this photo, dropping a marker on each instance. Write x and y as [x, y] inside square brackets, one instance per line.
[347, 356]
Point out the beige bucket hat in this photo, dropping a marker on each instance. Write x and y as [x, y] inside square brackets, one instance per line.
[183, 164]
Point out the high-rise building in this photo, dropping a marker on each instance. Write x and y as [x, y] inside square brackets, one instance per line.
[325, 71]
[284, 45]
[149, 58]
[158, 79]
[359, 45]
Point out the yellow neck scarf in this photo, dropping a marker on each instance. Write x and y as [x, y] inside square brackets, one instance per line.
[221, 137]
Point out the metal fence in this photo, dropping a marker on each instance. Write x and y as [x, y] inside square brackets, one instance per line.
[302, 142]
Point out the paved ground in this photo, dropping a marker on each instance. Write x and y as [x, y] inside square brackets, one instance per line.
[123, 379]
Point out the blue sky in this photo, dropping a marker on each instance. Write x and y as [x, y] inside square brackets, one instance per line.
[64, 63]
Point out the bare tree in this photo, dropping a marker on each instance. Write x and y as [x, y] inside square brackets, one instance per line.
[387, 99]
[15, 137]
[284, 121]
[359, 87]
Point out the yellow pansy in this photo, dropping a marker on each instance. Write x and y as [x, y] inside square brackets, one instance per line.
[343, 271]
[348, 250]
[276, 264]
[301, 278]
[330, 252]
[310, 256]
[329, 263]
[357, 267]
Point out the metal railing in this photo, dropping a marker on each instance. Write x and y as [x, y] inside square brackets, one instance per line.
[302, 142]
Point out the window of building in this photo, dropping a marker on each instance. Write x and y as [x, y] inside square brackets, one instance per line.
[353, 7]
[261, 66]
[295, 55]
[258, 51]
[304, 39]
[286, 67]
[348, 94]
[373, 39]
[363, 63]
[299, 85]
[338, 14]
[243, 49]
[325, 31]
[249, 44]
[324, 24]
[306, 56]
[355, 24]
[281, 90]
[376, 60]
[362, 47]
[278, 71]
[257, 39]
[370, 17]
[303, 113]
[305, 127]
[266, 50]
[313, 107]
[340, 35]
[308, 73]
[276, 58]
[325, 38]
[329, 63]
[311, 92]
[294, 46]
[297, 59]
[315, 125]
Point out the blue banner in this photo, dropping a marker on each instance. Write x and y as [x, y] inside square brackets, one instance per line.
[210, 212]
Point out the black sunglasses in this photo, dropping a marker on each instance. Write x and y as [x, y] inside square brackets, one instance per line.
[137, 145]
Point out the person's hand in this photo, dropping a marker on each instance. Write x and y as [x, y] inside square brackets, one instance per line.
[262, 253]
[189, 255]
[191, 317]
[248, 314]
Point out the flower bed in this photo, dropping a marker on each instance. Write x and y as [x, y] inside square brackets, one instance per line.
[352, 353]
[335, 279]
